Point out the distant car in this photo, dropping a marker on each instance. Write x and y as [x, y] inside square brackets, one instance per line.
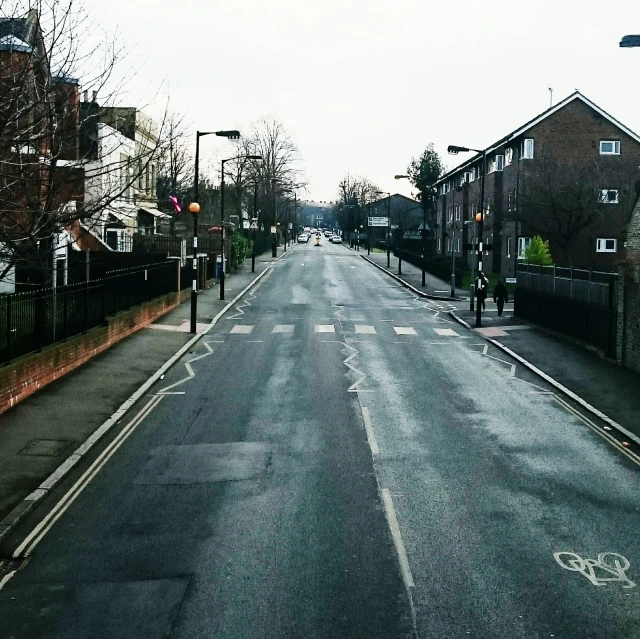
[336, 239]
[303, 237]
[327, 233]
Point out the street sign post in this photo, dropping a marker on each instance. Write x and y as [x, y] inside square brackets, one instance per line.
[378, 221]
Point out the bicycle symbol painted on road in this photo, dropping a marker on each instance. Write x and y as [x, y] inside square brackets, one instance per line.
[610, 564]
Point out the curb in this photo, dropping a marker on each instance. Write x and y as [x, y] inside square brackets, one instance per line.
[563, 389]
[409, 286]
[17, 514]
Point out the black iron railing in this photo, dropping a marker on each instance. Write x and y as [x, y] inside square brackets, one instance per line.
[30, 321]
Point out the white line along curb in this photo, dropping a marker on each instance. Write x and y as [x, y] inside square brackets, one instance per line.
[585, 404]
[26, 505]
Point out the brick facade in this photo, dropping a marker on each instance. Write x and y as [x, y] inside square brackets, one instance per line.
[629, 298]
[570, 133]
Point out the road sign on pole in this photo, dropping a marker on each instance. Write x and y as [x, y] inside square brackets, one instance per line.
[378, 221]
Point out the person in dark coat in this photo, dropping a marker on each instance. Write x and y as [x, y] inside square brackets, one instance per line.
[484, 290]
[500, 296]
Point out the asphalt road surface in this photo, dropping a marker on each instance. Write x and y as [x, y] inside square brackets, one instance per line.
[337, 459]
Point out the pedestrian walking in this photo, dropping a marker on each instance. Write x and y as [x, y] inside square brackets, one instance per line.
[500, 296]
[481, 290]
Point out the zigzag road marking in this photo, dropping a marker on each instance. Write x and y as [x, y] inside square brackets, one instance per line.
[190, 372]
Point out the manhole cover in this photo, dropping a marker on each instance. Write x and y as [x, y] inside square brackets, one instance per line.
[45, 447]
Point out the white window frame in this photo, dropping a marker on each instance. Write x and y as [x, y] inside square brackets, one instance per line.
[499, 162]
[601, 245]
[472, 175]
[467, 176]
[615, 146]
[509, 200]
[523, 244]
[509, 247]
[458, 212]
[439, 244]
[605, 196]
[527, 149]
[508, 156]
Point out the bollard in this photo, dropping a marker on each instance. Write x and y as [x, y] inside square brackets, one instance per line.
[472, 294]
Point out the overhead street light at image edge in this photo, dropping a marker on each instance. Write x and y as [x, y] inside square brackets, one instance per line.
[630, 41]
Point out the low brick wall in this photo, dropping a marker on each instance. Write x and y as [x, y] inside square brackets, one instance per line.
[26, 375]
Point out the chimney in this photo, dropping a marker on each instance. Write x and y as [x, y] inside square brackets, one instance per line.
[95, 96]
[85, 96]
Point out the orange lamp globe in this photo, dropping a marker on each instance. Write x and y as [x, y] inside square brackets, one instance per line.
[478, 217]
[194, 207]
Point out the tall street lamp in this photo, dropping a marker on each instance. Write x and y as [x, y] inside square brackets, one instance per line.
[388, 225]
[222, 269]
[194, 209]
[454, 150]
[274, 228]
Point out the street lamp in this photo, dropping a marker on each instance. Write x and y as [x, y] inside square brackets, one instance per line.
[454, 150]
[222, 268]
[630, 41]
[388, 226]
[194, 209]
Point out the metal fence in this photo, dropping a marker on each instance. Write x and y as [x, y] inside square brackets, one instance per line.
[579, 303]
[30, 321]
[593, 288]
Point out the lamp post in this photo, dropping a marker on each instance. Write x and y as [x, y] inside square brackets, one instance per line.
[369, 232]
[454, 150]
[473, 262]
[194, 209]
[274, 235]
[388, 193]
[222, 269]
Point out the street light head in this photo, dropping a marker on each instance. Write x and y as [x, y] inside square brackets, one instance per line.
[630, 41]
[401, 177]
[231, 135]
[478, 217]
[194, 208]
[253, 157]
[454, 150]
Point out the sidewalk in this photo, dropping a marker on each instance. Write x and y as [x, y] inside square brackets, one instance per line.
[413, 275]
[40, 433]
[600, 382]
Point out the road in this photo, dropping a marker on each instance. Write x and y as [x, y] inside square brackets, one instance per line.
[337, 459]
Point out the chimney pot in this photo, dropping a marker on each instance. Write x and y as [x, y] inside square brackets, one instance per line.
[95, 96]
[85, 96]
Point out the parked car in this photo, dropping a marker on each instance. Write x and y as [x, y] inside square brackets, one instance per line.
[303, 237]
[336, 239]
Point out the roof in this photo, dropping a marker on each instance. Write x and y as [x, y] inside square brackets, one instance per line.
[536, 120]
[17, 27]
[13, 43]
[153, 212]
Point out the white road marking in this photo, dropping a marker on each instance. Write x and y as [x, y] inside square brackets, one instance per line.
[405, 330]
[448, 332]
[36, 535]
[283, 328]
[612, 564]
[371, 436]
[325, 328]
[255, 341]
[397, 538]
[243, 329]
[363, 329]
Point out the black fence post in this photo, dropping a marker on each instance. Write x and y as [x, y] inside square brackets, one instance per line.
[9, 305]
[64, 312]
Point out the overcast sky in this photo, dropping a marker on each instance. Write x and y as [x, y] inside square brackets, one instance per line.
[364, 85]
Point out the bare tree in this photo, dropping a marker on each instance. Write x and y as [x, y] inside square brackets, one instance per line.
[50, 141]
[279, 171]
[354, 194]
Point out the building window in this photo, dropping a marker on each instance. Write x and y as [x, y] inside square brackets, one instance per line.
[458, 212]
[609, 196]
[458, 245]
[467, 177]
[439, 244]
[508, 247]
[508, 156]
[496, 163]
[606, 245]
[609, 147]
[448, 244]
[472, 175]
[526, 149]
[509, 200]
[523, 244]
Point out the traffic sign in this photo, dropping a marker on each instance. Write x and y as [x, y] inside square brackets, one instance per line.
[378, 221]
[274, 230]
[254, 225]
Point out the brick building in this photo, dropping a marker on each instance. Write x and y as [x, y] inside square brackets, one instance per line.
[566, 175]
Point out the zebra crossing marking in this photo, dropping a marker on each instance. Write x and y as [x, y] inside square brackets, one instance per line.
[242, 329]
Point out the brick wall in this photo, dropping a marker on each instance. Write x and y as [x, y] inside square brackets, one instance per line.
[26, 375]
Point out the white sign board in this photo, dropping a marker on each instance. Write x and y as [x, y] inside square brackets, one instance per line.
[378, 221]
[510, 280]
[274, 230]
